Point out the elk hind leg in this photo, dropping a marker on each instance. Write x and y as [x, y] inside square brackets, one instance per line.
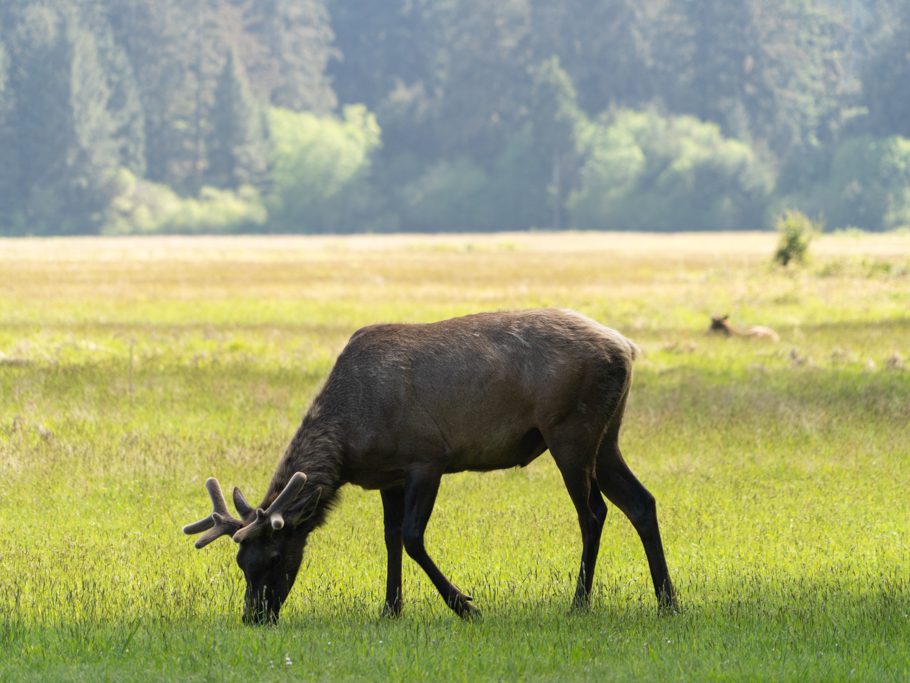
[621, 487]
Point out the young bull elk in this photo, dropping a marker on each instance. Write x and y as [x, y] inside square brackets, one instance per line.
[406, 404]
[722, 325]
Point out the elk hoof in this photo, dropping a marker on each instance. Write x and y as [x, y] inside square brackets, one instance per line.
[581, 602]
[390, 611]
[668, 605]
[470, 613]
[464, 608]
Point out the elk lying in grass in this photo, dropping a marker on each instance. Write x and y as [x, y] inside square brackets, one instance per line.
[721, 324]
[406, 404]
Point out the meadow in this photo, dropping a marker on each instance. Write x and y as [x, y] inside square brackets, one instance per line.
[132, 369]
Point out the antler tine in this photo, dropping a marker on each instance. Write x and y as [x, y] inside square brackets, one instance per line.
[251, 530]
[218, 501]
[288, 494]
[201, 525]
[221, 528]
[274, 515]
[219, 523]
[242, 506]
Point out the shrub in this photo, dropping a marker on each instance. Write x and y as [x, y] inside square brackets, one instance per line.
[143, 207]
[796, 231]
[320, 166]
[449, 195]
[867, 185]
[643, 171]
[461, 194]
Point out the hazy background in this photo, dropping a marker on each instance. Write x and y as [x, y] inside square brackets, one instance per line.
[143, 116]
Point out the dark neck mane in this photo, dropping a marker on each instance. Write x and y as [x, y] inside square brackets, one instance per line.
[316, 451]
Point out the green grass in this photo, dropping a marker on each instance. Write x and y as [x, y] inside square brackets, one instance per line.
[781, 470]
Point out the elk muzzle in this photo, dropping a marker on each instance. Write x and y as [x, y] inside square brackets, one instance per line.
[261, 606]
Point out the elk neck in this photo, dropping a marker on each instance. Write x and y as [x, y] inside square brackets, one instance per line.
[316, 451]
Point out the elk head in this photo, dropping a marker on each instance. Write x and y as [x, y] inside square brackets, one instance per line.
[720, 324]
[271, 542]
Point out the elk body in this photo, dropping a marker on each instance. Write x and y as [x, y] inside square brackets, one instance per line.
[722, 325]
[406, 404]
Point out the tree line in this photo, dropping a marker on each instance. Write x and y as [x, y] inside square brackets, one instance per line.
[122, 116]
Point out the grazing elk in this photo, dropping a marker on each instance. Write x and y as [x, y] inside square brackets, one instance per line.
[722, 325]
[406, 404]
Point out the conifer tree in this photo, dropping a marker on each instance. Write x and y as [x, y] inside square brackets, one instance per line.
[605, 46]
[295, 46]
[59, 138]
[381, 45]
[157, 38]
[726, 78]
[7, 171]
[555, 124]
[124, 104]
[237, 151]
[886, 79]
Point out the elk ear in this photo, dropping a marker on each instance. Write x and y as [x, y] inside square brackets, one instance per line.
[305, 507]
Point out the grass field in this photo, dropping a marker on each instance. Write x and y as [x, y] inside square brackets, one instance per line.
[131, 370]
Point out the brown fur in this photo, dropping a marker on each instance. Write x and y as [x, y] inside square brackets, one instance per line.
[461, 394]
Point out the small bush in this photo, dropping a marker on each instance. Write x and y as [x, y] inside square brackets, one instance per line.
[644, 171]
[449, 195]
[867, 185]
[796, 231]
[320, 167]
[143, 207]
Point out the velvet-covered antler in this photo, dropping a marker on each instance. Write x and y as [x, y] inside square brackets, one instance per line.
[274, 516]
[220, 522]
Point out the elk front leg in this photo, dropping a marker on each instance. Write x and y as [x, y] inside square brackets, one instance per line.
[420, 492]
[592, 512]
[393, 516]
[591, 522]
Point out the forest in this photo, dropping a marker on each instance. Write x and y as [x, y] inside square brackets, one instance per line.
[285, 116]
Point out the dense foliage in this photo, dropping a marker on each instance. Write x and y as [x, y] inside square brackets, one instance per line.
[644, 171]
[345, 115]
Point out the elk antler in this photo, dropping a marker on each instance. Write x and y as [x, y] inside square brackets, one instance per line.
[220, 522]
[274, 515]
[244, 508]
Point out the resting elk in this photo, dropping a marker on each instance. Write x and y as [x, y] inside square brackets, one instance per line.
[722, 325]
[406, 404]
